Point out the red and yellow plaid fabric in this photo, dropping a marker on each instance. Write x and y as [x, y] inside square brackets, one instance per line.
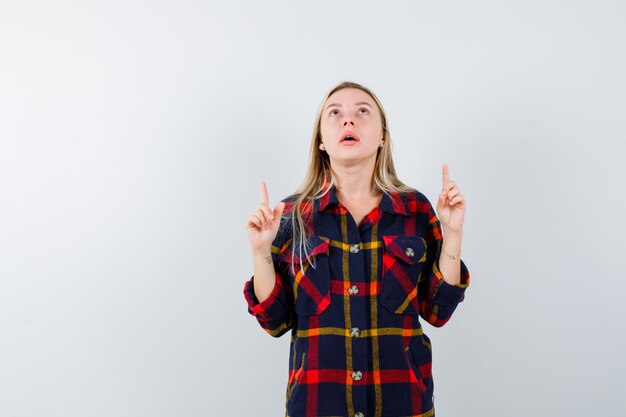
[357, 346]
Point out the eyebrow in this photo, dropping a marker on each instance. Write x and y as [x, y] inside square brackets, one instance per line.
[360, 103]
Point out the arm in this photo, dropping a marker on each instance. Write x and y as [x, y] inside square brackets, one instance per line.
[268, 294]
[264, 272]
[450, 258]
[443, 283]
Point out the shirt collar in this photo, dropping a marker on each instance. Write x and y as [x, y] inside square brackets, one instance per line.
[394, 202]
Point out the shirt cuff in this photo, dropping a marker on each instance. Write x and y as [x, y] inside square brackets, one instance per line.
[268, 308]
[451, 294]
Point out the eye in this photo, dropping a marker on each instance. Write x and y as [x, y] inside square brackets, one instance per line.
[363, 110]
[333, 112]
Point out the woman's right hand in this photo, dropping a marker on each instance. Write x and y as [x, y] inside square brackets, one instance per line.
[263, 224]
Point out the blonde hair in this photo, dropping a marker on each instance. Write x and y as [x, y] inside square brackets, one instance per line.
[319, 177]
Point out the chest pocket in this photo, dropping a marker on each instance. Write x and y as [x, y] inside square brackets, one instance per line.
[403, 260]
[311, 282]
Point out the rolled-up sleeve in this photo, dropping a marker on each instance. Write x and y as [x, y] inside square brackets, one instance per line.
[438, 298]
[274, 314]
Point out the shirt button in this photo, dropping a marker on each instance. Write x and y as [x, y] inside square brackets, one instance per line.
[354, 248]
[359, 414]
[354, 332]
[353, 290]
[357, 375]
[410, 252]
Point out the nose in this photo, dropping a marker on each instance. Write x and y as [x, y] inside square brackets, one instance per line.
[348, 121]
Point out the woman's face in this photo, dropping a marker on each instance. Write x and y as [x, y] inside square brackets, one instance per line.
[351, 112]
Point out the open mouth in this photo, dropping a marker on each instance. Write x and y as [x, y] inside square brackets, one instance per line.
[349, 137]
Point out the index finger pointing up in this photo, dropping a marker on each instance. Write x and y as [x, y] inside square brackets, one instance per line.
[264, 198]
[445, 176]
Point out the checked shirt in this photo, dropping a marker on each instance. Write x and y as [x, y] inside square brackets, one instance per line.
[357, 347]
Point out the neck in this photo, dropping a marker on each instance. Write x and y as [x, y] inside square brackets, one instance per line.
[354, 182]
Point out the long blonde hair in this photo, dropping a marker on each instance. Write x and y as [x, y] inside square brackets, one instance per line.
[319, 177]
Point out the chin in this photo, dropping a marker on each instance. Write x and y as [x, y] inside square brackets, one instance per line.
[352, 157]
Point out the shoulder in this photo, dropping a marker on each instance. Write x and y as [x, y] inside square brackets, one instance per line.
[418, 203]
[289, 204]
[305, 207]
[414, 194]
[421, 197]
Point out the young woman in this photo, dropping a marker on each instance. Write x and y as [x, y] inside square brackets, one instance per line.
[349, 263]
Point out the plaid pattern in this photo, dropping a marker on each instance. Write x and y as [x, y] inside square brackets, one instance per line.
[357, 346]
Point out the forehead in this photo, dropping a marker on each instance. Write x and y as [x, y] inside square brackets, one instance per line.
[349, 96]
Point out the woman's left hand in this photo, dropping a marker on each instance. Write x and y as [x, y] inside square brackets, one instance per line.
[451, 205]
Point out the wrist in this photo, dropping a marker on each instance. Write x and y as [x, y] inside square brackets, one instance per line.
[456, 234]
[451, 246]
[262, 252]
[453, 256]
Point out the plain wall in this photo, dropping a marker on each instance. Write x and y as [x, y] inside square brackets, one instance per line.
[134, 134]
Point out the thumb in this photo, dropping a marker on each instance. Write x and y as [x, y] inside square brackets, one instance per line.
[278, 211]
[441, 202]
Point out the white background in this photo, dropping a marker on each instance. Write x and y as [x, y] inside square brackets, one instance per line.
[134, 134]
